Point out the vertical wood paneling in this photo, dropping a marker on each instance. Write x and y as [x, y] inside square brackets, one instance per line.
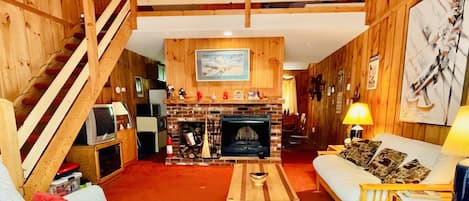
[267, 55]
[386, 38]
[27, 41]
[129, 65]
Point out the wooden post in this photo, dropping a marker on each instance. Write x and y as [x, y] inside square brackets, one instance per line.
[247, 13]
[9, 145]
[92, 42]
[133, 14]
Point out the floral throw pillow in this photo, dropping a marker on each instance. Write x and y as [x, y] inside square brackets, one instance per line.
[410, 173]
[360, 152]
[385, 162]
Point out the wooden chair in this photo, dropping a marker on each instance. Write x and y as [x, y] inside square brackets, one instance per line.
[296, 134]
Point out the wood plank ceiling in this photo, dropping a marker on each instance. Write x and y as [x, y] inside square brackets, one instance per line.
[224, 7]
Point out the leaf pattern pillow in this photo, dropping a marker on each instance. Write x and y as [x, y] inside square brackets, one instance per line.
[385, 162]
[410, 173]
[360, 152]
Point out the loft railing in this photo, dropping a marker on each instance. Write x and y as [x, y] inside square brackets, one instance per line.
[47, 98]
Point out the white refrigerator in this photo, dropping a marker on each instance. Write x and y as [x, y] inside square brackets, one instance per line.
[157, 96]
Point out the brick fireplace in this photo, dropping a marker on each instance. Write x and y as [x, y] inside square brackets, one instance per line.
[186, 124]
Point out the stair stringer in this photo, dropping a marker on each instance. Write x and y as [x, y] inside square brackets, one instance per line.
[55, 153]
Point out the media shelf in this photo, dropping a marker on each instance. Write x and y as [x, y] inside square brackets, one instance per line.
[100, 162]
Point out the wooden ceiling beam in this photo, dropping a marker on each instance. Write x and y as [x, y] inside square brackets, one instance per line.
[192, 2]
[247, 13]
[318, 9]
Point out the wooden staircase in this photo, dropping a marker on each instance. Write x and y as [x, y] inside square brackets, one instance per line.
[50, 114]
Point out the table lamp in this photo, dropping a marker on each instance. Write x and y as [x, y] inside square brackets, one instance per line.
[120, 110]
[457, 143]
[358, 114]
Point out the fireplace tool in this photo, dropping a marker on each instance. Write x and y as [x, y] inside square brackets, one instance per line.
[206, 146]
[213, 138]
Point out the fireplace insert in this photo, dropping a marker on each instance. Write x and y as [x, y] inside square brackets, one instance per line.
[245, 135]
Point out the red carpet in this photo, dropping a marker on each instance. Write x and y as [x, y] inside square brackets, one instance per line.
[151, 180]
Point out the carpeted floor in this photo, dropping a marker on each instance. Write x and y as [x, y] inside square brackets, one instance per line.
[151, 180]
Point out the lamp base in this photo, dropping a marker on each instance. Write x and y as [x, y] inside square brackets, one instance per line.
[461, 181]
[356, 132]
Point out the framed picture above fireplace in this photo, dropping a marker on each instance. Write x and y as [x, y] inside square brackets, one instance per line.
[222, 65]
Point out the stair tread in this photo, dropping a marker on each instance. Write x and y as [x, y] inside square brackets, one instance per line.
[34, 100]
[46, 84]
[65, 58]
[71, 46]
[81, 36]
[56, 70]
[45, 118]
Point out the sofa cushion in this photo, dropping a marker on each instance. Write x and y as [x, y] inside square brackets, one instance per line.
[443, 169]
[424, 151]
[360, 152]
[40, 196]
[343, 176]
[386, 161]
[7, 188]
[93, 192]
[410, 173]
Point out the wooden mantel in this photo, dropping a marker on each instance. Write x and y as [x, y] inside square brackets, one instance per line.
[223, 102]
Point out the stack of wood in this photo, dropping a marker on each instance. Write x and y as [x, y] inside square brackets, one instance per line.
[198, 130]
[190, 151]
[186, 148]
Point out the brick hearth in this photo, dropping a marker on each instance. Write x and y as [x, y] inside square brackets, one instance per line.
[191, 111]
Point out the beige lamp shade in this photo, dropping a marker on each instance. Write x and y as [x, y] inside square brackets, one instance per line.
[119, 108]
[358, 113]
[457, 142]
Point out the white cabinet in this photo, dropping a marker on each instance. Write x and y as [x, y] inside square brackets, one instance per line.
[149, 124]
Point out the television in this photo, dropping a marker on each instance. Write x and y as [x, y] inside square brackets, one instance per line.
[144, 110]
[99, 127]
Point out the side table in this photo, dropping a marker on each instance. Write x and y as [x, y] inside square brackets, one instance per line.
[445, 196]
[335, 147]
[332, 149]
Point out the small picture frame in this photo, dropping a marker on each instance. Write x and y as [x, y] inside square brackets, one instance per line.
[373, 68]
[253, 95]
[139, 86]
[238, 95]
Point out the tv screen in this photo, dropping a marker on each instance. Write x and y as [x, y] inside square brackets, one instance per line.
[143, 110]
[105, 121]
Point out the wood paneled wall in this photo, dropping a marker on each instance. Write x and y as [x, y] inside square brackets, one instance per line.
[267, 55]
[386, 38]
[130, 64]
[375, 9]
[27, 41]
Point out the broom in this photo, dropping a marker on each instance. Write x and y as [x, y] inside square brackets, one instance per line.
[206, 146]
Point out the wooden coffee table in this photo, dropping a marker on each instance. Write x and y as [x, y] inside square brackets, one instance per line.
[276, 187]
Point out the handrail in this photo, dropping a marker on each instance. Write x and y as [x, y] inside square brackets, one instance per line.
[39, 12]
[48, 132]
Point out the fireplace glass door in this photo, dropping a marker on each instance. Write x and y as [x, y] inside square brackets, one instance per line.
[245, 135]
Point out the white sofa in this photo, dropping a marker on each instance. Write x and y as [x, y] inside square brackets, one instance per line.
[342, 178]
[9, 192]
